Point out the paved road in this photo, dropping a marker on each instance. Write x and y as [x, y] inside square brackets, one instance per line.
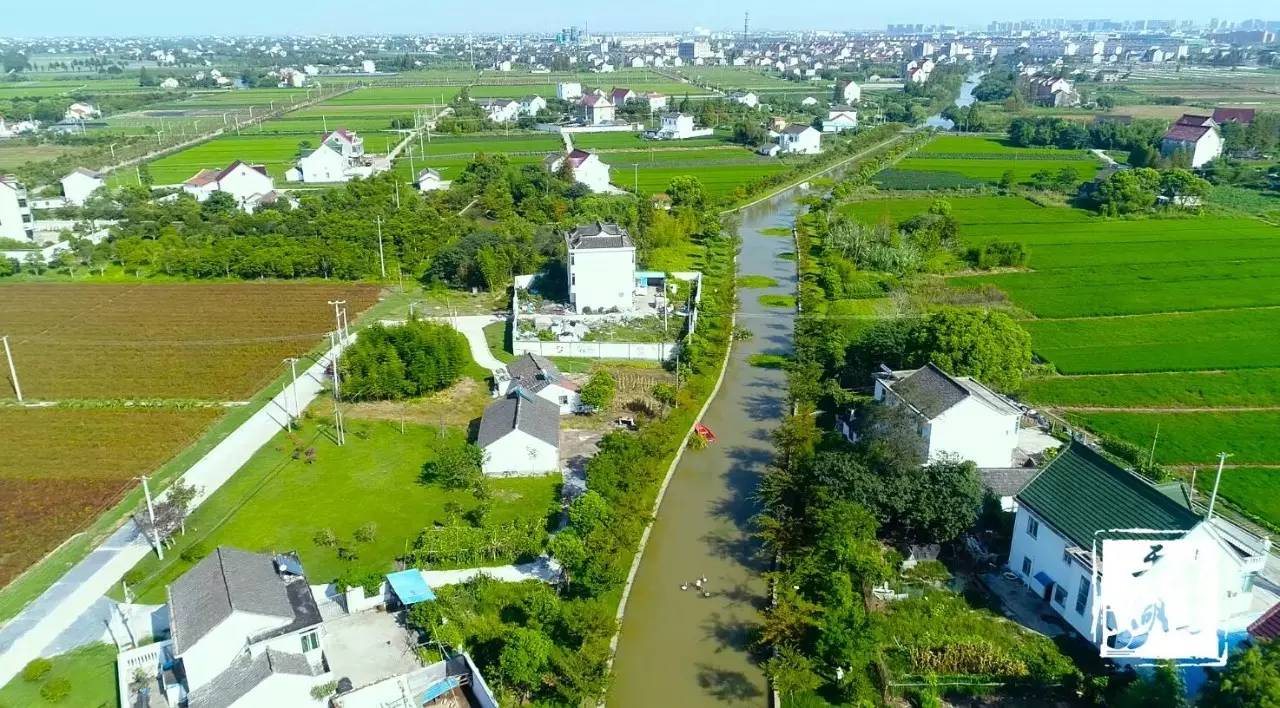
[60, 615]
[472, 326]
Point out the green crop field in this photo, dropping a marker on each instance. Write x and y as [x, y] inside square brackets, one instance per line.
[516, 142]
[277, 152]
[1158, 318]
[1184, 389]
[1253, 489]
[993, 169]
[976, 147]
[397, 96]
[615, 141]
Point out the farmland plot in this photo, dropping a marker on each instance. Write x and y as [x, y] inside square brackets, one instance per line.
[191, 340]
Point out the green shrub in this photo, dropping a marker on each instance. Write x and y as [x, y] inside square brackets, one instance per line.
[195, 553]
[56, 690]
[324, 690]
[36, 669]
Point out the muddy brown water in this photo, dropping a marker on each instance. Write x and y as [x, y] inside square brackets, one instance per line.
[676, 647]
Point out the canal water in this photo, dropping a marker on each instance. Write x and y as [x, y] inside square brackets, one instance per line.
[676, 647]
[965, 98]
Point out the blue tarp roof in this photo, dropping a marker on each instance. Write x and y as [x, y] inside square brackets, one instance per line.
[409, 586]
[650, 274]
[1043, 578]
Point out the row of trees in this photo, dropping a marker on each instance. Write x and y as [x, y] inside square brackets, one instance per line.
[1142, 188]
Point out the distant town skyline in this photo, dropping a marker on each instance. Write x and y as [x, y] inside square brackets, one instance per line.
[246, 17]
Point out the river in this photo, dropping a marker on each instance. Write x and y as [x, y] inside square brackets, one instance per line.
[965, 98]
[676, 647]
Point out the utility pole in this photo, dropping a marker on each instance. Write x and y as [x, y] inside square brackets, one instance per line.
[151, 514]
[1222, 460]
[13, 371]
[1151, 459]
[293, 370]
[339, 310]
[284, 403]
[382, 261]
[635, 170]
[337, 420]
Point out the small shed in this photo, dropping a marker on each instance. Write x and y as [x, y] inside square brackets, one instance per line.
[650, 279]
[410, 587]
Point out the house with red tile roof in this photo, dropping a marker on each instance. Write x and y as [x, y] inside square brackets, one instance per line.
[1243, 116]
[347, 143]
[248, 184]
[597, 109]
[1196, 135]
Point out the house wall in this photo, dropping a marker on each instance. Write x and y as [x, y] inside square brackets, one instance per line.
[291, 643]
[519, 454]
[16, 221]
[323, 166]
[601, 278]
[567, 401]
[972, 431]
[77, 187]
[644, 351]
[593, 173]
[1046, 553]
[245, 182]
[1207, 148]
[215, 650]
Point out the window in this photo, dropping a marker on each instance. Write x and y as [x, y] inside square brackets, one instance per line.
[1082, 596]
[310, 642]
[564, 400]
[1033, 527]
[1066, 557]
[1026, 566]
[573, 280]
[1059, 596]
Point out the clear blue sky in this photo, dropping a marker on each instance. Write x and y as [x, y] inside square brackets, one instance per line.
[239, 17]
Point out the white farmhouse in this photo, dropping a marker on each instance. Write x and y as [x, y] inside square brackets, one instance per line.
[1081, 493]
[1197, 135]
[501, 110]
[368, 66]
[679, 126]
[324, 164]
[747, 99]
[169, 84]
[800, 140]
[588, 169]
[601, 268]
[839, 119]
[16, 221]
[657, 101]
[848, 92]
[248, 184]
[597, 109]
[81, 111]
[531, 105]
[568, 90]
[79, 184]
[245, 630]
[429, 180]
[536, 375]
[520, 436]
[346, 142]
[955, 415]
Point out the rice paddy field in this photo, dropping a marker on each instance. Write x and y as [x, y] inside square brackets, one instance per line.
[721, 170]
[959, 161]
[1153, 324]
[134, 374]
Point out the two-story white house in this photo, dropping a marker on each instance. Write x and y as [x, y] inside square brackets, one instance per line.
[248, 184]
[848, 92]
[680, 126]
[536, 374]
[588, 169]
[16, 221]
[800, 140]
[1197, 135]
[245, 630]
[601, 267]
[80, 183]
[348, 144]
[324, 164]
[955, 416]
[531, 105]
[1064, 511]
[746, 98]
[501, 110]
[597, 109]
[568, 90]
[520, 435]
[839, 119]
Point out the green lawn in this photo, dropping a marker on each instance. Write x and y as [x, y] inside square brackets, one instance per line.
[276, 502]
[91, 671]
[1253, 489]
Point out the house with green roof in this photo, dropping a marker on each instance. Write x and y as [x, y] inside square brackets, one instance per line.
[1081, 497]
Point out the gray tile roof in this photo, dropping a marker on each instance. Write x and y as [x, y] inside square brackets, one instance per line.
[598, 235]
[929, 390]
[226, 581]
[534, 372]
[1006, 481]
[246, 673]
[932, 391]
[535, 416]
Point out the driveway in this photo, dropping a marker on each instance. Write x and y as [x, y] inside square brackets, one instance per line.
[472, 327]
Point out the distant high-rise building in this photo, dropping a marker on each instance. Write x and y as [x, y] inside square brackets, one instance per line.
[689, 51]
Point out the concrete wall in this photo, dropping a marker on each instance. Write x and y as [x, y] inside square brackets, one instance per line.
[648, 351]
[972, 431]
[519, 454]
[1046, 551]
[601, 278]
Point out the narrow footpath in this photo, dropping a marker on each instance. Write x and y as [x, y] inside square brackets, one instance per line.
[676, 647]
